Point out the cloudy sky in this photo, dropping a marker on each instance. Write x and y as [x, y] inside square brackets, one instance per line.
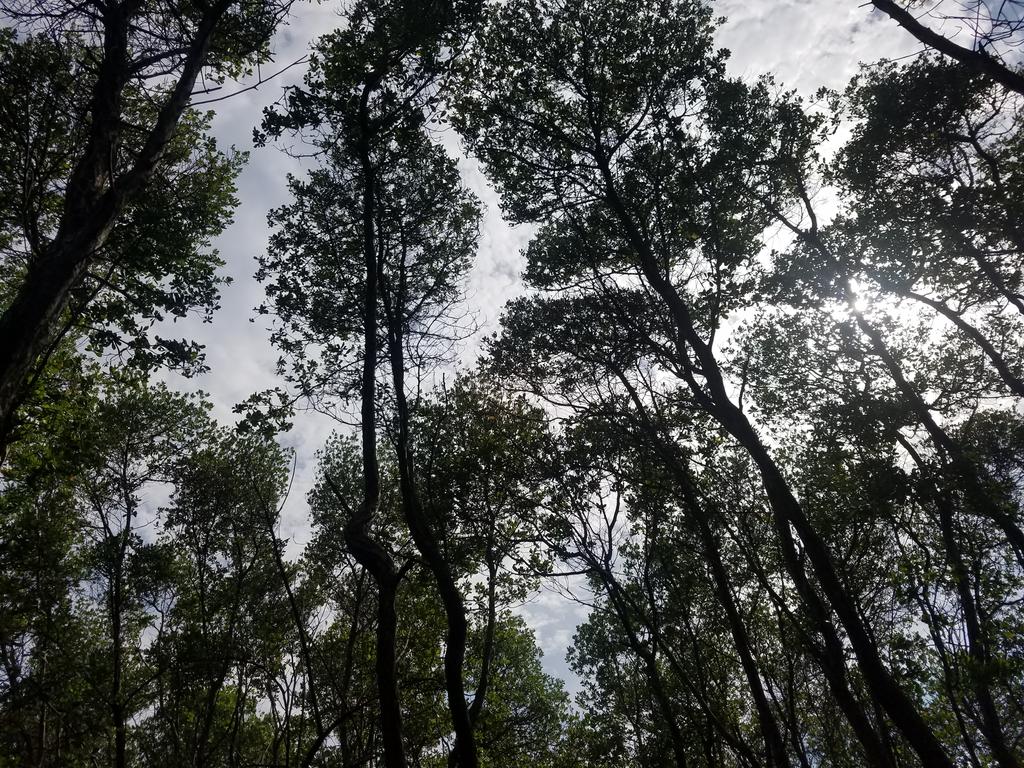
[805, 44]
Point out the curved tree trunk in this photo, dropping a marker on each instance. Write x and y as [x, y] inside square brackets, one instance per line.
[364, 548]
[427, 544]
[714, 399]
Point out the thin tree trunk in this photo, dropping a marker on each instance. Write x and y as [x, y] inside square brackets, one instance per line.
[787, 510]
[363, 547]
[831, 661]
[488, 645]
[427, 544]
[744, 753]
[118, 706]
[992, 726]
[41, 758]
[347, 667]
[305, 654]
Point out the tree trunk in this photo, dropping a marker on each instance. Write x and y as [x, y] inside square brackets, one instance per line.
[977, 61]
[786, 509]
[363, 547]
[93, 201]
[480, 695]
[427, 545]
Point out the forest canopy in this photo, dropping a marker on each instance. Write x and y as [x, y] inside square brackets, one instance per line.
[757, 408]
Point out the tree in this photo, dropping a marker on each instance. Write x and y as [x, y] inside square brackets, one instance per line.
[47, 711]
[517, 710]
[636, 150]
[757, 411]
[521, 723]
[126, 50]
[481, 458]
[160, 620]
[405, 219]
[945, 130]
[224, 634]
[829, 262]
[155, 263]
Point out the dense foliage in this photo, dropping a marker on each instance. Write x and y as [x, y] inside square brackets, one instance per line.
[758, 408]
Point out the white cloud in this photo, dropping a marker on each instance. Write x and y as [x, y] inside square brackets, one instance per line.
[807, 44]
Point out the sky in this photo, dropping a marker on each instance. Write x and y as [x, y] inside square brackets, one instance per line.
[804, 44]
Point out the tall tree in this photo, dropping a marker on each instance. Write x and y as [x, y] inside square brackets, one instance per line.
[396, 235]
[837, 264]
[619, 126]
[136, 68]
